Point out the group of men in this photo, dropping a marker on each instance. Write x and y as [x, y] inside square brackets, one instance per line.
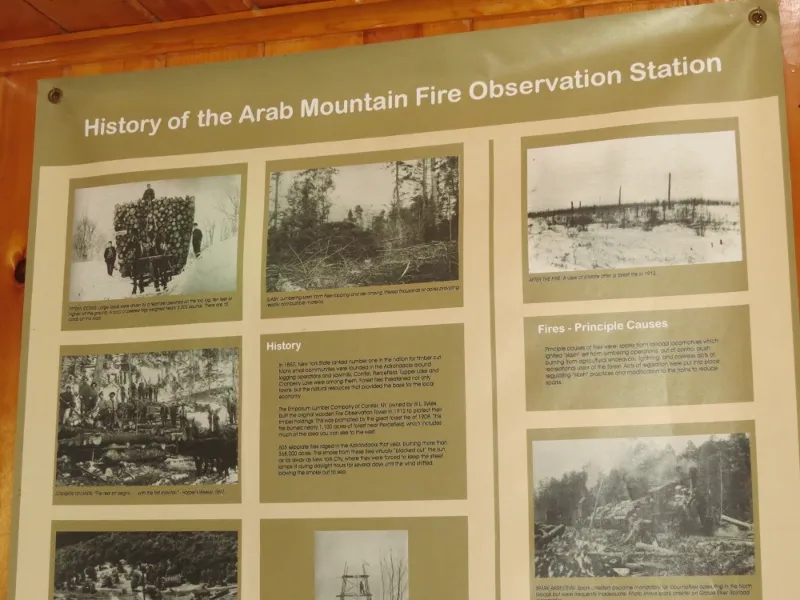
[148, 253]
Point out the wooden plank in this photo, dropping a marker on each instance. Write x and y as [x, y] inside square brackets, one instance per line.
[19, 20]
[629, 7]
[527, 19]
[279, 3]
[334, 17]
[393, 34]
[122, 65]
[84, 15]
[445, 27]
[208, 56]
[17, 112]
[171, 10]
[325, 42]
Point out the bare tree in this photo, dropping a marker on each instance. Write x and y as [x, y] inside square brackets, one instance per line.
[229, 207]
[394, 577]
[210, 227]
[84, 238]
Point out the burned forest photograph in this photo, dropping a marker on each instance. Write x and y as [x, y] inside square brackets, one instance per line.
[149, 418]
[644, 507]
[155, 238]
[653, 201]
[377, 224]
[362, 565]
[146, 565]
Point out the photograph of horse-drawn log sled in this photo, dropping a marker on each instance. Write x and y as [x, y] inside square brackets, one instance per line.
[149, 418]
[146, 565]
[644, 507]
[161, 238]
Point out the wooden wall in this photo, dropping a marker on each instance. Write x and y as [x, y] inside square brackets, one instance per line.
[299, 28]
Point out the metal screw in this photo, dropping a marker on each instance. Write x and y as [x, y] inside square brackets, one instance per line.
[55, 95]
[757, 17]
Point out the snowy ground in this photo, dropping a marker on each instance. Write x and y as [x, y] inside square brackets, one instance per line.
[559, 249]
[214, 271]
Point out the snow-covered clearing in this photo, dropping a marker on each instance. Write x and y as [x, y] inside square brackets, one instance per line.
[214, 271]
[558, 248]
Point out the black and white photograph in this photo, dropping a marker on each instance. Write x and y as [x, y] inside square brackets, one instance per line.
[362, 565]
[377, 224]
[149, 418]
[653, 201]
[146, 565]
[677, 505]
[155, 238]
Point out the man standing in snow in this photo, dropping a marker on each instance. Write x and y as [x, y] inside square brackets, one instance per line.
[197, 240]
[149, 194]
[110, 256]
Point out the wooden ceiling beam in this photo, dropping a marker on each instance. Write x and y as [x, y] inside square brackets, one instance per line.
[267, 25]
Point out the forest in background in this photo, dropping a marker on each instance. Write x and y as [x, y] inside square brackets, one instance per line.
[656, 513]
[723, 475]
[169, 557]
[410, 236]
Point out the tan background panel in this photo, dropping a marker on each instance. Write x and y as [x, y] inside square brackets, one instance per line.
[394, 297]
[771, 306]
[733, 382]
[164, 494]
[649, 431]
[445, 480]
[437, 555]
[137, 526]
[161, 316]
[644, 281]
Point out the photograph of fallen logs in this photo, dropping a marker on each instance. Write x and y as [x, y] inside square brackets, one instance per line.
[157, 238]
[146, 565]
[364, 225]
[149, 418]
[644, 507]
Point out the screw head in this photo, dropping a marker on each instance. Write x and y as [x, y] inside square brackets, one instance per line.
[55, 95]
[757, 17]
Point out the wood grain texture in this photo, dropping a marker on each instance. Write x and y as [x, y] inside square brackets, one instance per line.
[84, 15]
[19, 20]
[273, 31]
[172, 10]
[331, 17]
[17, 112]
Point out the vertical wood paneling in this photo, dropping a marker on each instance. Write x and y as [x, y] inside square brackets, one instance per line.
[209, 56]
[444, 27]
[528, 19]
[117, 66]
[17, 112]
[393, 34]
[325, 42]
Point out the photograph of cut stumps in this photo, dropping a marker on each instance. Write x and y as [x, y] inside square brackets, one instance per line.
[155, 238]
[644, 507]
[146, 565]
[361, 565]
[149, 418]
[377, 224]
[653, 201]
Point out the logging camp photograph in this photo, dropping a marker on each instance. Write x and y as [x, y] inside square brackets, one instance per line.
[149, 418]
[155, 238]
[379, 224]
[362, 565]
[644, 507]
[146, 565]
[653, 201]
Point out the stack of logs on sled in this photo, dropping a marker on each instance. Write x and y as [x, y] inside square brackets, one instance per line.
[172, 218]
[151, 444]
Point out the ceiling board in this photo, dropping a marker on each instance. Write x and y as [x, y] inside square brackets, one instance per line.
[278, 3]
[19, 20]
[173, 10]
[84, 15]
